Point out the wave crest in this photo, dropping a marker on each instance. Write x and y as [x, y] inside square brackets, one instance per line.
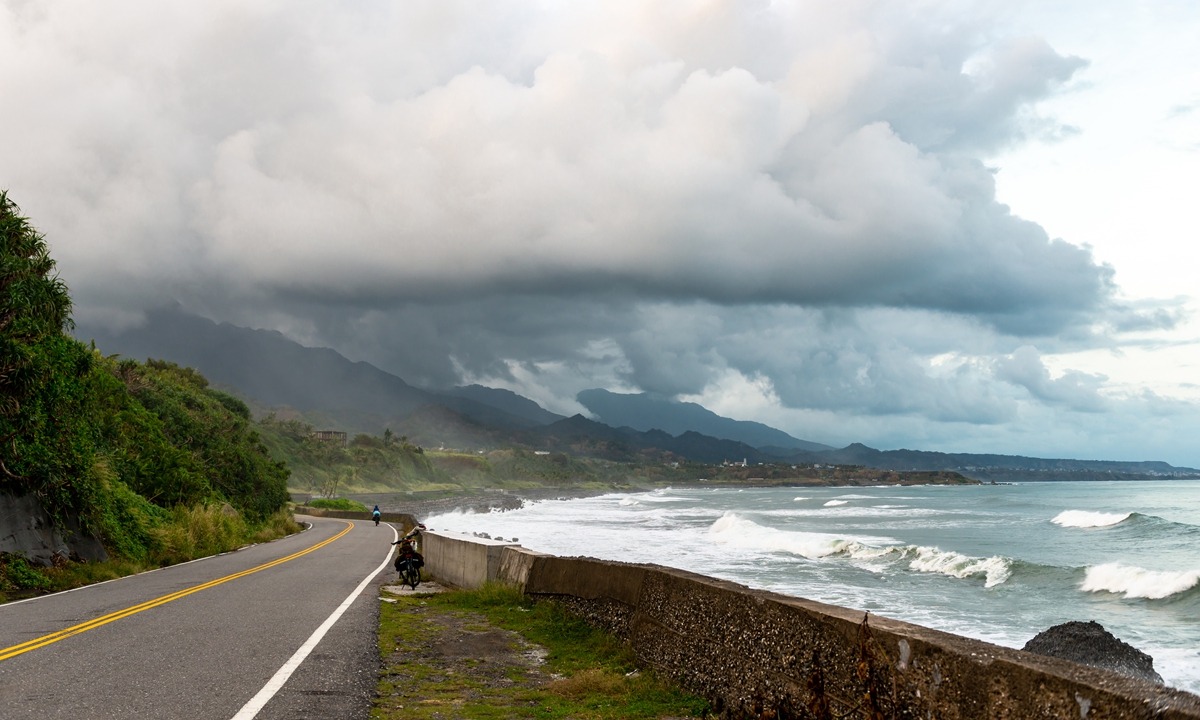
[995, 569]
[1088, 519]
[1136, 582]
[835, 503]
[739, 532]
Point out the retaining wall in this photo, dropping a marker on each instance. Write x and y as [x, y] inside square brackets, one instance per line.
[754, 653]
[461, 560]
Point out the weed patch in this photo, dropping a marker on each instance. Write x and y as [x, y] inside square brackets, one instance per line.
[493, 653]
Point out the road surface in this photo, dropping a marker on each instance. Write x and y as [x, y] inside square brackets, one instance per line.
[203, 639]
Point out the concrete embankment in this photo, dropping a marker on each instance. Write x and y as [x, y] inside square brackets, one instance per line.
[754, 653]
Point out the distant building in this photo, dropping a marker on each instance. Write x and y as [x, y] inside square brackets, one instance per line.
[330, 436]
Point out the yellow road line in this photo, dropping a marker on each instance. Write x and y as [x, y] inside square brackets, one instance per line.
[45, 640]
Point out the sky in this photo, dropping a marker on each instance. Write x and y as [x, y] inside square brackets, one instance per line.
[938, 225]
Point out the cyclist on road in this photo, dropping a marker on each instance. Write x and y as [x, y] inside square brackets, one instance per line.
[375, 515]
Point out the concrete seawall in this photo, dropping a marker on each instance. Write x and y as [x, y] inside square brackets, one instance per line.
[759, 654]
[462, 560]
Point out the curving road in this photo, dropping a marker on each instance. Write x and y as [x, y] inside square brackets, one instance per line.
[203, 639]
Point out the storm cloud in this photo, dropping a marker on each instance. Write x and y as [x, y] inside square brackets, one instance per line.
[643, 196]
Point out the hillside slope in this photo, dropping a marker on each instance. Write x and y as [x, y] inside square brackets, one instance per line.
[276, 371]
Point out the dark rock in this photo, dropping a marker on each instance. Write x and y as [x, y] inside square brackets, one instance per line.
[26, 529]
[1088, 643]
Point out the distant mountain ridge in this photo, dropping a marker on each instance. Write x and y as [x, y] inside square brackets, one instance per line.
[507, 401]
[859, 454]
[646, 412]
[272, 370]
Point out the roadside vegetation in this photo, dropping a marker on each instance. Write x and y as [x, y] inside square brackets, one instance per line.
[146, 456]
[338, 504]
[494, 653]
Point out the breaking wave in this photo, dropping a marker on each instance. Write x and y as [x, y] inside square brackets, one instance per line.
[835, 503]
[1088, 519]
[739, 532]
[1136, 582]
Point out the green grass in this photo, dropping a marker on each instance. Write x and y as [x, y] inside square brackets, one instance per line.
[587, 673]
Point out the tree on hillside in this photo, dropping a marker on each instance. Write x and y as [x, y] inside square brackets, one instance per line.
[45, 440]
[77, 429]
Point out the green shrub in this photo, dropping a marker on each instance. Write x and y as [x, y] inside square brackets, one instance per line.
[338, 504]
[277, 525]
[17, 573]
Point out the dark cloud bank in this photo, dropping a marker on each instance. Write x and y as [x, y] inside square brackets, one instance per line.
[683, 199]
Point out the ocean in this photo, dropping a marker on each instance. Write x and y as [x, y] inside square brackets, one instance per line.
[994, 562]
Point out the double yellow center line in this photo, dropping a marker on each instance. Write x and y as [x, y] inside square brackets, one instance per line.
[45, 640]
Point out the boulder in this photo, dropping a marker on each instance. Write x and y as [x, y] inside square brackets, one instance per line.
[1088, 643]
[26, 529]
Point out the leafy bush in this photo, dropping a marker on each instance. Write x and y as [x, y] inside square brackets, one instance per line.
[17, 574]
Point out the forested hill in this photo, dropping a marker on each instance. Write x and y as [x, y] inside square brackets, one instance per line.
[120, 445]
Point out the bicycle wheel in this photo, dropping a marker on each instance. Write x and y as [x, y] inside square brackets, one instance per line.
[412, 577]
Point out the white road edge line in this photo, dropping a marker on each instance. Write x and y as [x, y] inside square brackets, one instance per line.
[276, 683]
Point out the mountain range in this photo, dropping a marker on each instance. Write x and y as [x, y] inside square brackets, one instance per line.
[648, 412]
[273, 372]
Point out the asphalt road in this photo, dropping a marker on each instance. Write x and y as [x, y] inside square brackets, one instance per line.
[207, 653]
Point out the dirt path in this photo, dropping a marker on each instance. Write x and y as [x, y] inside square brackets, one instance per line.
[446, 662]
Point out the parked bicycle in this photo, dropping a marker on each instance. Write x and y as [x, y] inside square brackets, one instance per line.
[408, 561]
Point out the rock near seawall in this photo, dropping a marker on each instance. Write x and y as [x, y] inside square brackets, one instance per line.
[1088, 643]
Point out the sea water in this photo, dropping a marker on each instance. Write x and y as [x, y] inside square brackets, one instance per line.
[995, 562]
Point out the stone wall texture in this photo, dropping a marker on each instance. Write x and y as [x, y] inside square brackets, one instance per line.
[757, 654]
[26, 529]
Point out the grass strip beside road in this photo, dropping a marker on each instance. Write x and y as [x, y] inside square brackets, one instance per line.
[494, 653]
[29, 645]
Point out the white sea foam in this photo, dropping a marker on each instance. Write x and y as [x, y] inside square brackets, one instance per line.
[798, 499]
[1088, 519]
[995, 569]
[835, 503]
[1135, 582]
[737, 531]
[628, 501]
